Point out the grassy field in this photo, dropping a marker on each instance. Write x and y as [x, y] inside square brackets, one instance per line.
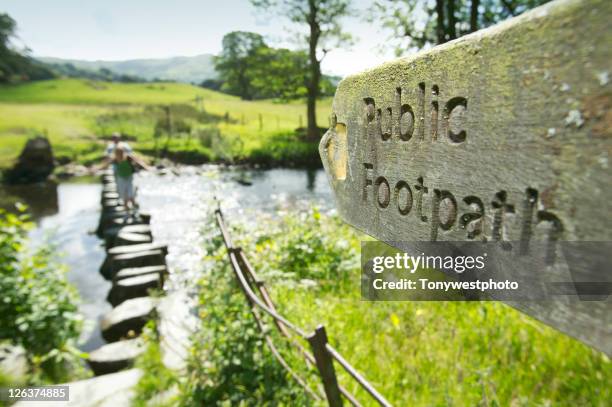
[75, 114]
[419, 353]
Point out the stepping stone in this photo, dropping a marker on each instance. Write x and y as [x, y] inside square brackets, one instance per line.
[125, 238]
[135, 228]
[110, 203]
[146, 229]
[108, 215]
[115, 356]
[142, 219]
[139, 271]
[137, 248]
[115, 217]
[111, 233]
[155, 257]
[133, 287]
[109, 218]
[106, 269]
[131, 315]
[109, 195]
[113, 209]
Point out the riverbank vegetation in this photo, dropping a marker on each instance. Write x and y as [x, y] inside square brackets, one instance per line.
[180, 121]
[156, 376]
[38, 307]
[415, 353]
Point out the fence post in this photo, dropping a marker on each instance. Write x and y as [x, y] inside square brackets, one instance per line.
[325, 365]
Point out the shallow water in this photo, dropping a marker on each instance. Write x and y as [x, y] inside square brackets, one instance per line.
[64, 216]
[179, 204]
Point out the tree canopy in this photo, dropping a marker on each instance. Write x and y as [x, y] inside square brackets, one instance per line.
[251, 69]
[323, 19]
[416, 24]
[236, 63]
[14, 66]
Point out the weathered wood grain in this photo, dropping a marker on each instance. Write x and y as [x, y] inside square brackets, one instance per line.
[504, 134]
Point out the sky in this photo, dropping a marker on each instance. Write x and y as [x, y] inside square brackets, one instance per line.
[128, 29]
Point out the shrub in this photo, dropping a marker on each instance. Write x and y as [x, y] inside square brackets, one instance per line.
[308, 248]
[38, 307]
[230, 363]
[286, 149]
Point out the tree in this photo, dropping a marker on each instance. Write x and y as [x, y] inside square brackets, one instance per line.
[251, 69]
[322, 17]
[213, 84]
[235, 64]
[13, 65]
[417, 24]
[7, 30]
[281, 73]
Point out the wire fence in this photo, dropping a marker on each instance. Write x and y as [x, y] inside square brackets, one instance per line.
[321, 356]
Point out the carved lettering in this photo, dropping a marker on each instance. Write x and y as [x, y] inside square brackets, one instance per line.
[444, 210]
[454, 119]
[399, 122]
[421, 102]
[367, 167]
[434, 112]
[406, 123]
[421, 190]
[556, 228]
[473, 221]
[403, 208]
[531, 198]
[383, 192]
[500, 208]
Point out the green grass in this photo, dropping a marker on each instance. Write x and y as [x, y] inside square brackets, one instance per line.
[454, 353]
[69, 112]
[419, 353]
[67, 126]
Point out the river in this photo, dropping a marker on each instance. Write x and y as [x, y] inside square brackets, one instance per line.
[179, 201]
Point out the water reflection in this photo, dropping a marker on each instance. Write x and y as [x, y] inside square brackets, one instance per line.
[76, 213]
[311, 179]
[41, 198]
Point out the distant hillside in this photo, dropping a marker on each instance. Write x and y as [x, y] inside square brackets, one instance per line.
[183, 69]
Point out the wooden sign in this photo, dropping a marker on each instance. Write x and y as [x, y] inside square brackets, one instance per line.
[505, 134]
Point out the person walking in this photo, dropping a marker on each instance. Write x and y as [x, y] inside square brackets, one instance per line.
[116, 141]
[124, 165]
